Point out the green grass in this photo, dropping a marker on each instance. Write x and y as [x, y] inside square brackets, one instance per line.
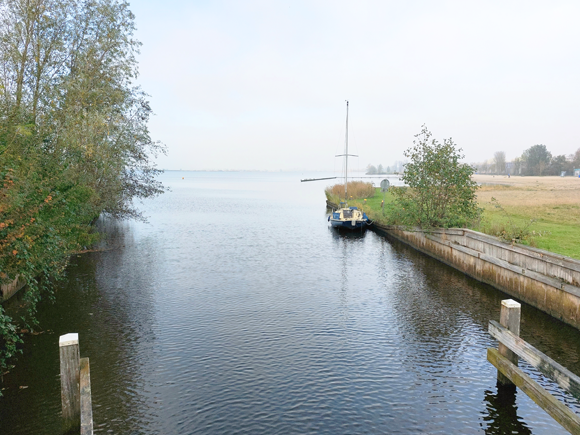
[372, 206]
[554, 228]
[548, 230]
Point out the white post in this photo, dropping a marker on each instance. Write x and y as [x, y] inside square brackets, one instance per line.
[70, 381]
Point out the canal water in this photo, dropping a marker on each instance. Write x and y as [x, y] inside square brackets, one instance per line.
[237, 310]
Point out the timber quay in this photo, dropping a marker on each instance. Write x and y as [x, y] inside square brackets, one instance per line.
[542, 279]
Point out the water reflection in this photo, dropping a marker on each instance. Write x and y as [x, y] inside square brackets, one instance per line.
[239, 310]
[443, 317]
[115, 321]
[345, 249]
[123, 324]
[501, 412]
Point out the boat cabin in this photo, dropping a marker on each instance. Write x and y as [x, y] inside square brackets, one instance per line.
[347, 213]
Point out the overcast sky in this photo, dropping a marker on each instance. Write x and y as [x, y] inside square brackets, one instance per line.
[262, 84]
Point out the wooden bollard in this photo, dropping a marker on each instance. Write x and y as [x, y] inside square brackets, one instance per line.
[86, 401]
[509, 318]
[70, 381]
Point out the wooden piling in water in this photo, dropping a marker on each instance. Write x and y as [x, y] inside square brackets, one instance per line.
[567, 380]
[70, 381]
[505, 361]
[559, 412]
[86, 401]
[509, 318]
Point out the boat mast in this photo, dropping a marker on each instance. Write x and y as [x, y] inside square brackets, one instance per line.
[346, 159]
[345, 155]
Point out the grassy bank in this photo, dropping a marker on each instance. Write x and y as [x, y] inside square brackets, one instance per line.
[552, 203]
[548, 208]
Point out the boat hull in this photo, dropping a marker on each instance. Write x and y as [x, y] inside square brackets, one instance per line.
[348, 225]
[348, 218]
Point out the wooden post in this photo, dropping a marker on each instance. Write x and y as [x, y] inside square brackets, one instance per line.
[70, 381]
[509, 318]
[565, 378]
[86, 402]
[560, 412]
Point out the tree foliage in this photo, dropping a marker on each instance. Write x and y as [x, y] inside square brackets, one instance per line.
[499, 162]
[575, 160]
[536, 160]
[441, 192]
[372, 170]
[558, 164]
[516, 166]
[74, 142]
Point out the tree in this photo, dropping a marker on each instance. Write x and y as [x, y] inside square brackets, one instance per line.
[74, 142]
[371, 170]
[517, 166]
[558, 164]
[380, 169]
[536, 159]
[499, 162]
[482, 167]
[398, 167]
[441, 192]
[576, 159]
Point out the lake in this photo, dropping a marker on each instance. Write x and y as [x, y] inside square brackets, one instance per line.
[237, 309]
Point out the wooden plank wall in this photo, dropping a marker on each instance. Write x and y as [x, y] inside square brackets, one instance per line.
[547, 281]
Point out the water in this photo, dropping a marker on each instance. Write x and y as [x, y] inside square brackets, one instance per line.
[238, 310]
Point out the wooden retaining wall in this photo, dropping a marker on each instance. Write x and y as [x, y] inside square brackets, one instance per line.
[8, 290]
[547, 281]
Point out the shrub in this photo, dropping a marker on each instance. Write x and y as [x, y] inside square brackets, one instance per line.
[441, 192]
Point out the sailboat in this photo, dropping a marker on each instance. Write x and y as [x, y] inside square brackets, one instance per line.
[349, 218]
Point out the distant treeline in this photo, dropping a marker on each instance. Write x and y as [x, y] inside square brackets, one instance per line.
[397, 167]
[74, 142]
[536, 160]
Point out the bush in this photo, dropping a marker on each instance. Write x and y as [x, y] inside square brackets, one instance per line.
[441, 192]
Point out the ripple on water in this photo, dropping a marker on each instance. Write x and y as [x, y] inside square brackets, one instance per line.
[234, 311]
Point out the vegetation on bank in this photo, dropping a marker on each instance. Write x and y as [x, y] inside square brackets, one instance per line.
[442, 193]
[546, 210]
[545, 226]
[439, 190]
[355, 190]
[74, 142]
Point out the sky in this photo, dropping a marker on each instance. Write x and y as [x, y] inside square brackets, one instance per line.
[261, 85]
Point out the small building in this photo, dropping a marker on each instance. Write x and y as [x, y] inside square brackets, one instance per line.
[577, 172]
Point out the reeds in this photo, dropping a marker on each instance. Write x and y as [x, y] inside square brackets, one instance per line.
[356, 190]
